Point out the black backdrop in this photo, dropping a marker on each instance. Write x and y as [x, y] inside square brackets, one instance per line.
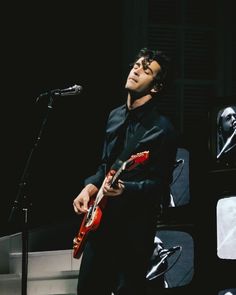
[46, 47]
[43, 48]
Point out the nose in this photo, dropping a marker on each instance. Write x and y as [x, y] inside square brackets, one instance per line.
[234, 123]
[233, 119]
[137, 71]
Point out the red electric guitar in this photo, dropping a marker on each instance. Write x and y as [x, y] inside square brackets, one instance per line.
[97, 203]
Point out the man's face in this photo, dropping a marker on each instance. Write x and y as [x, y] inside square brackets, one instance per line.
[142, 75]
[228, 121]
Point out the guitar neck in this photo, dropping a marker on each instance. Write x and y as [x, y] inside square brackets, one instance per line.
[115, 177]
[127, 165]
[114, 181]
[99, 195]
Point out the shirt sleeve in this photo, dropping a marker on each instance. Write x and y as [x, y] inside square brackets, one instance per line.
[98, 177]
[157, 174]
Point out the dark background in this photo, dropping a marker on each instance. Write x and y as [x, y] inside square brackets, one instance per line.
[45, 48]
[91, 44]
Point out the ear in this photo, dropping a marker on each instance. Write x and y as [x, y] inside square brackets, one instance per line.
[157, 88]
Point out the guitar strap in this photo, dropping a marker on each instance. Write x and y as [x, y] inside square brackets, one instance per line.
[146, 124]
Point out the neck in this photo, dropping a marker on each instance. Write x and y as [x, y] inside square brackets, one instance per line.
[133, 103]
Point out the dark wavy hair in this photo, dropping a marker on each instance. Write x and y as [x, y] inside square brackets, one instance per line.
[165, 75]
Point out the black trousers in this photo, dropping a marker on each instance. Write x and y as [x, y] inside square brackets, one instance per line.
[106, 269]
[117, 255]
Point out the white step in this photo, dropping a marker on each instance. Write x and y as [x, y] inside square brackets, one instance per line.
[49, 283]
[10, 284]
[49, 272]
[8, 244]
[49, 261]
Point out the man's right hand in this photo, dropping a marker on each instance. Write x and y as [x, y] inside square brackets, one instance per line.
[80, 203]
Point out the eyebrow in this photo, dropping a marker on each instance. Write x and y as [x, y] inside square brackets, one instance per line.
[144, 65]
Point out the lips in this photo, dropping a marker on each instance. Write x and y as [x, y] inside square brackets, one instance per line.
[133, 79]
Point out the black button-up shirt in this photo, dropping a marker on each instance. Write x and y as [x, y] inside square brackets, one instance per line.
[146, 186]
[159, 140]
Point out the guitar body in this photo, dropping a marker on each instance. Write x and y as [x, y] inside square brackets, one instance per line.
[90, 222]
[97, 203]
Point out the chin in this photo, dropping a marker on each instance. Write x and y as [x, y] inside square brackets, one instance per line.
[130, 84]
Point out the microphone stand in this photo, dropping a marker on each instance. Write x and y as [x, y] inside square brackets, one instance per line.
[22, 201]
[227, 147]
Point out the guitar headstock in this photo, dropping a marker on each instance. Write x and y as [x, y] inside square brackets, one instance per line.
[140, 157]
[136, 159]
[130, 164]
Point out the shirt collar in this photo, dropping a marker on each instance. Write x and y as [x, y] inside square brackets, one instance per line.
[140, 111]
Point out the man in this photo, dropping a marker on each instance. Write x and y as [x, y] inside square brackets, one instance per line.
[116, 255]
[227, 136]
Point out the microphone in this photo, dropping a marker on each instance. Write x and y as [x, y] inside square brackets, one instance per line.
[168, 252]
[73, 90]
[159, 266]
[178, 162]
[228, 145]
